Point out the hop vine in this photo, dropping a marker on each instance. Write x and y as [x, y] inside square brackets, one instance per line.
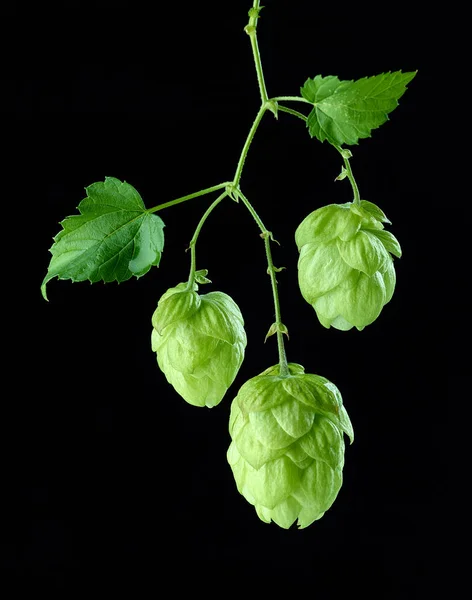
[287, 427]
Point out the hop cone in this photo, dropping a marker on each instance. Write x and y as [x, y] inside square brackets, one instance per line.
[287, 448]
[199, 341]
[345, 267]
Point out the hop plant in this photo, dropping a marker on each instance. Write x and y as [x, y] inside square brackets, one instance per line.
[286, 426]
[287, 447]
[345, 267]
[199, 341]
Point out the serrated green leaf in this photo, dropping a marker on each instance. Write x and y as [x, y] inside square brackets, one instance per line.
[319, 88]
[112, 239]
[346, 111]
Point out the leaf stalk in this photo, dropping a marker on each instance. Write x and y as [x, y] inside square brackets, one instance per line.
[188, 197]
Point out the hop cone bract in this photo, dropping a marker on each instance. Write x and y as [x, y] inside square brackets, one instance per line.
[287, 448]
[345, 267]
[199, 341]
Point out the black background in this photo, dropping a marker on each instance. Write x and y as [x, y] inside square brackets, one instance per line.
[107, 469]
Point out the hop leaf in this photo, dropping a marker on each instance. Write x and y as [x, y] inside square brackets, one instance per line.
[346, 111]
[112, 239]
[287, 447]
[199, 341]
[345, 267]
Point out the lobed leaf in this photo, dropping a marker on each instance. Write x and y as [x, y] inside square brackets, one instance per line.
[112, 239]
[346, 111]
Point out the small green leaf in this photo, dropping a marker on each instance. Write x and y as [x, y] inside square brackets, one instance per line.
[274, 328]
[346, 111]
[112, 239]
[201, 276]
[342, 175]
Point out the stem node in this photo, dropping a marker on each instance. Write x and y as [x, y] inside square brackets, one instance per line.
[273, 107]
[347, 172]
[232, 191]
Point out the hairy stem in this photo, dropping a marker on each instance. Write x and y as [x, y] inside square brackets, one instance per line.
[250, 137]
[291, 99]
[193, 241]
[251, 30]
[266, 104]
[346, 154]
[267, 236]
[290, 111]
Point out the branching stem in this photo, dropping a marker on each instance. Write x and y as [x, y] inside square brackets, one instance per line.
[266, 104]
[233, 188]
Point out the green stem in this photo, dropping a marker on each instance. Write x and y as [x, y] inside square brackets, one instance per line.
[189, 197]
[193, 241]
[251, 30]
[267, 236]
[250, 137]
[290, 111]
[349, 173]
[291, 99]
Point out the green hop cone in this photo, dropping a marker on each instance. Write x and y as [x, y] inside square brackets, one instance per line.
[345, 267]
[287, 446]
[199, 341]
